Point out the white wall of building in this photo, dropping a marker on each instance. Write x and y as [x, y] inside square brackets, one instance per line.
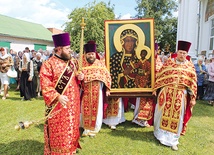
[19, 44]
[204, 28]
[187, 23]
[193, 27]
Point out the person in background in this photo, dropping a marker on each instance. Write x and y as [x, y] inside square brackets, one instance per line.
[26, 84]
[59, 79]
[6, 62]
[176, 85]
[96, 85]
[200, 71]
[33, 54]
[17, 61]
[27, 50]
[37, 63]
[209, 92]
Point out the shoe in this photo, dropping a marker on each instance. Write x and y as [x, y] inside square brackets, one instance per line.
[85, 133]
[23, 99]
[113, 127]
[92, 134]
[140, 122]
[147, 124]
[7, 95]
[132, 106]
[3, 98]
[175, 147]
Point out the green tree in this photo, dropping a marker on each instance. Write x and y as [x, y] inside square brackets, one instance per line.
[169, 33]
[165, 23]
[94, 15]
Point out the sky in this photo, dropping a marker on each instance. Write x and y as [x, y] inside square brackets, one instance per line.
[53, 13]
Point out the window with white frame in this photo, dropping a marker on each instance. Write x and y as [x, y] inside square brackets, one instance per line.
[212, 35]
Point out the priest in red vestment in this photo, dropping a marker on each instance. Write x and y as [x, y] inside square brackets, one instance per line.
[60, 89]
[176, 83]
[96, 85]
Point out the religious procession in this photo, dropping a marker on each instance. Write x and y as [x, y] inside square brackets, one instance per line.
[132, 95]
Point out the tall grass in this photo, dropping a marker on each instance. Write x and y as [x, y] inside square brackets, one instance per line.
[127, 139]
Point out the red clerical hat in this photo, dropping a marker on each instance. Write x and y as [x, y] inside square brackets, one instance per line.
[91, 46]
[62, 39]
[184, 45]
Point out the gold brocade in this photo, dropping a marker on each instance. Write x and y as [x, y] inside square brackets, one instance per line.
[170, 101]
[61, 131]
[96, 71]
[113, 107]
[145, 108]
[90, 104]
[174, 79]
[177, 74]
[94, 74]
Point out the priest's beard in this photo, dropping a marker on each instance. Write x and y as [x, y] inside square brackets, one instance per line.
[90, 60]
[65, 56]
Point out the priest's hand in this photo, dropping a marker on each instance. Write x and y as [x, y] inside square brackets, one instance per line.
[63, 100]
[107, 92]
[192, 103]
[154, 93]
[80, 76]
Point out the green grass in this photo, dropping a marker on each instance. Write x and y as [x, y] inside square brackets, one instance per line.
[127, 139]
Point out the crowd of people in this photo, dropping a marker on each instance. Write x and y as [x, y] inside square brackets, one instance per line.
[76, 91]
[26, 64]
[205, 70]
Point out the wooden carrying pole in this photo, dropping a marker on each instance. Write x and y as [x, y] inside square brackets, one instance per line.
[81, 44]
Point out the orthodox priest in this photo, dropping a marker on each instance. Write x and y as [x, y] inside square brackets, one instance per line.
[60, 89]
[176, 83]
[96, 86]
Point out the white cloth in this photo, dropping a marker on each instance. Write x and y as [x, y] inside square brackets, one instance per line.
[4, 78]
[115, 120]
[137, 104]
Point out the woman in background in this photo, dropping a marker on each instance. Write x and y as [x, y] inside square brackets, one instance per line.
[200, 71]
[6, 62]
[26, 83]
[209, 92]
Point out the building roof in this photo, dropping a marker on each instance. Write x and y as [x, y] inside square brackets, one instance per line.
[22, 29]
[55, 31]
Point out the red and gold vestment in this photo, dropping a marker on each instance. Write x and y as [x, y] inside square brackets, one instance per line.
[61, 130]
[173, 80]
[93, 75]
